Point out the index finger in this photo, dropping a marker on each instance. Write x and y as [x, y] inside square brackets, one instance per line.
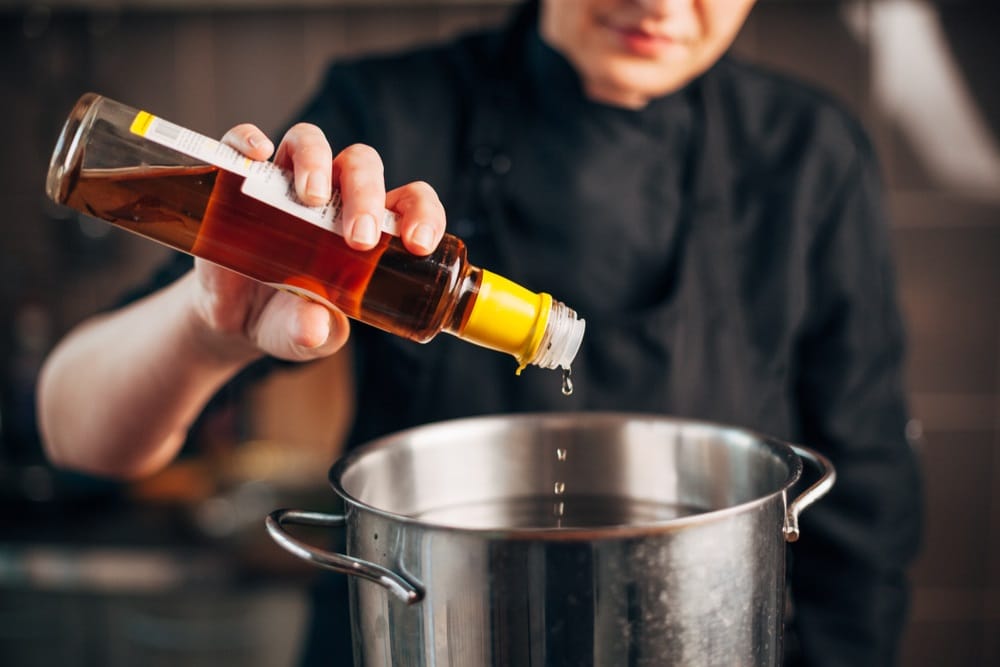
[306, 152]
[249, 140]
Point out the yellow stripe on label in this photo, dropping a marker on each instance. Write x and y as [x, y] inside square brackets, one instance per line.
[141, 123]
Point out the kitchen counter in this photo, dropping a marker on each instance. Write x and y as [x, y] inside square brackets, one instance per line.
[171, 571]
[120, 538]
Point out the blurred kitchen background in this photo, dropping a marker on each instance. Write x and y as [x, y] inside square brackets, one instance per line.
[177, 569]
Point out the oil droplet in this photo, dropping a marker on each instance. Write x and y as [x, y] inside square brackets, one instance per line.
[567, 382]
[560, 454]
[559, 488]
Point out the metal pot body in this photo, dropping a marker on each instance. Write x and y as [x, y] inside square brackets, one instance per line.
[489, 542]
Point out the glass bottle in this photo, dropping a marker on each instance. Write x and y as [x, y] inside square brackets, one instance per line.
[199, 196]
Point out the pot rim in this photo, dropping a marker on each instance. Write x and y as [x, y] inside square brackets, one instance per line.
[778, 447]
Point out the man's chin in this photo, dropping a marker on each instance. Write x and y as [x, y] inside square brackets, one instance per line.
[645, 82]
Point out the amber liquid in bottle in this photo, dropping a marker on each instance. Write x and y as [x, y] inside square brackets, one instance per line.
[201, 210]
[193, 201]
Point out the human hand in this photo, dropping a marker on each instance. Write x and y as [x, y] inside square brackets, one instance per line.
[245, 318]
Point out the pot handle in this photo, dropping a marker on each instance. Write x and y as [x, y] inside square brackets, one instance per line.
[355, 567]
[818, 489]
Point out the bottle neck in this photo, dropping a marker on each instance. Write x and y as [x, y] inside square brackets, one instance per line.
[530, 326]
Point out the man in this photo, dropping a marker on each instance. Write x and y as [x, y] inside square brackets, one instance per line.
[720, 228]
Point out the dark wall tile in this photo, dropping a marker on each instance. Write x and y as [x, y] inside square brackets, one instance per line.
[259, 73]
[347, 32]
[939, 643]
[971, 30]
[324, 39]
[48, 62]
[461, 19]
[133, 59]
[954, 412]
[991, 652]
[991, 531]
[196, 87]
[814, 42]
[949, 281]
[958, 473]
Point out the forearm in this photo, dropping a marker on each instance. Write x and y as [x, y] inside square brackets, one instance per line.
[117, 396]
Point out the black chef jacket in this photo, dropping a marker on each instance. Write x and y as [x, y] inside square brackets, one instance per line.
[728, 248]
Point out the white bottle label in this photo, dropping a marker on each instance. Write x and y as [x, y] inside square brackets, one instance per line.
[264, 181]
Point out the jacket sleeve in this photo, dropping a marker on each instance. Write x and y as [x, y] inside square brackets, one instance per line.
[848, 574]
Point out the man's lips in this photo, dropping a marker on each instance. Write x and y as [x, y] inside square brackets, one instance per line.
[645, 43]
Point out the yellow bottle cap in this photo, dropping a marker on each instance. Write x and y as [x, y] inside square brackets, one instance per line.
[508, 318]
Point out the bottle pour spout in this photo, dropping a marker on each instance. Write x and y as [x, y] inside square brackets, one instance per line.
[533, 327]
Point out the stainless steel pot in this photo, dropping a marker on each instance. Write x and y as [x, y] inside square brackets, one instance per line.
[565, 539]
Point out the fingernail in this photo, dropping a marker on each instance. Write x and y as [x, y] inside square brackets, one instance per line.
[318, 185]
[258, 141]
[324, 334]
[311, 334]
[423, 237]
[365, 231]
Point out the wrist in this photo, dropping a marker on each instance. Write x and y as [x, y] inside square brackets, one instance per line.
[209, 341]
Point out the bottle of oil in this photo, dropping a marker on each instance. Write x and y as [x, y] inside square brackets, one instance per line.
[201, 197]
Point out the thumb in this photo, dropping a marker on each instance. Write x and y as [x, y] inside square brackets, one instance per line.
[294, 329]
